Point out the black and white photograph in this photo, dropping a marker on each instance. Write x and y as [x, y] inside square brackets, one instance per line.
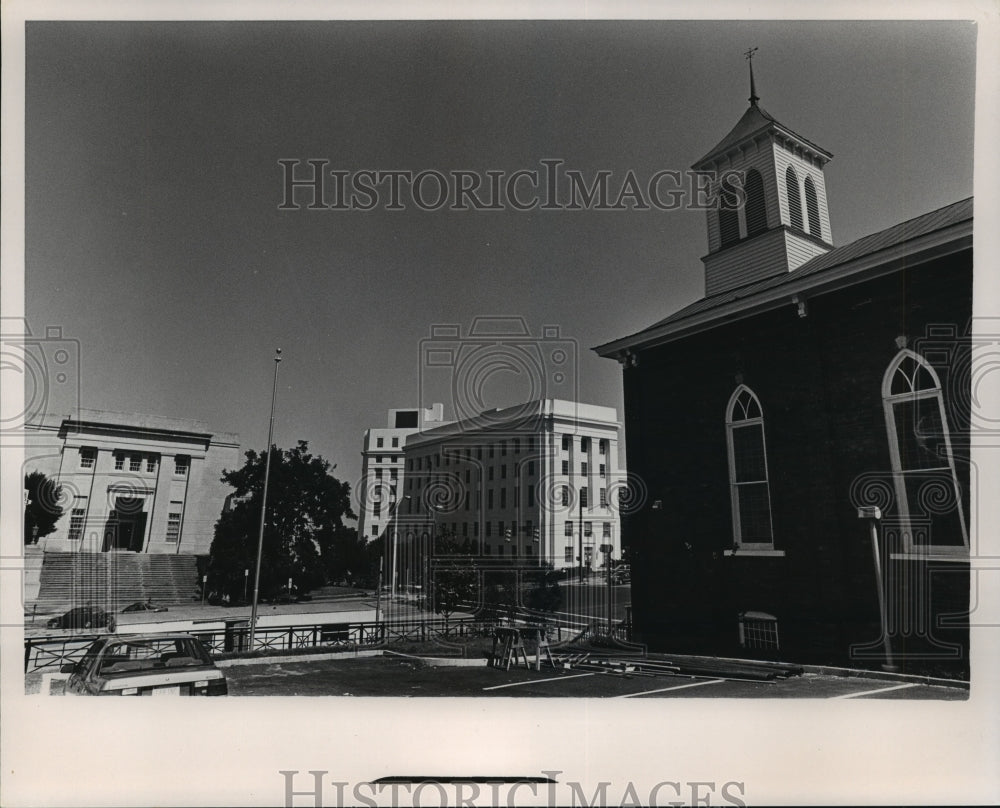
[547, 405]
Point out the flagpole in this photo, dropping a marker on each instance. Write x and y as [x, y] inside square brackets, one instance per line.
[263, 504]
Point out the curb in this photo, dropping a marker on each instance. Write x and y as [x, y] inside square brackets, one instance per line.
[268, 660]
[831, 670]
[886, 676]
[442, 662]
[435, 662]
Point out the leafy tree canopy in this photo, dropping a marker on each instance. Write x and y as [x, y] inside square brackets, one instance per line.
[454, 587]
[42, 509]
[305, 537]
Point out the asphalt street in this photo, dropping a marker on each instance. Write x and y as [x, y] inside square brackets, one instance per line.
[387, 676]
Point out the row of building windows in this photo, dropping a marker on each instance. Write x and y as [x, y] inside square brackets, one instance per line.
[508, 531]
[493, 496]
[380, 442]
[567, 443]
[499, 449]
[88, 458]
[78, 516]
[569, 553]
[602, 470]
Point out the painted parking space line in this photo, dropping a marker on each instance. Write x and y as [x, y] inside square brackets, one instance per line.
[675, 687]
[535, 681]
[879, 690]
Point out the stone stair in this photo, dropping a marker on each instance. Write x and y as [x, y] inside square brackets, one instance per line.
[116, 579]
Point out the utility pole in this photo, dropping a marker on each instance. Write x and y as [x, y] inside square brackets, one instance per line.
[263, 502]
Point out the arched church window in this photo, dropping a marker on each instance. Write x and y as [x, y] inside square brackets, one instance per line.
[812, 209]
[755, 209]
[929, 505]
[794, 198]
[751, 495]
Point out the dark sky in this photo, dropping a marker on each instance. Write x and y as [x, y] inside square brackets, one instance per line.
[155, 239]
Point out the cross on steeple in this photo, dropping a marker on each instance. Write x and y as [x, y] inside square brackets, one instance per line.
[753, 90]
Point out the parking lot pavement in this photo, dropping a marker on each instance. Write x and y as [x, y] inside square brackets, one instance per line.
[395, 677]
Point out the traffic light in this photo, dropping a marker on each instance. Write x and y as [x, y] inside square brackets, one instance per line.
[537, 536]
[507, 534]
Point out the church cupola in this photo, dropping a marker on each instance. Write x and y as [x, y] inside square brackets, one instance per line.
[771, 215]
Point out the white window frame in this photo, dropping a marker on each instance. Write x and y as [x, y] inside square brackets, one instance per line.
[731, 426]
[889, 400]
[77, 518]
[173, 534]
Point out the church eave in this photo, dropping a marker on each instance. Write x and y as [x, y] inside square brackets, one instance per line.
[770, 293]
[772, 128]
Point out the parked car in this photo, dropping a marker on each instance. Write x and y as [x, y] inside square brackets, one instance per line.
[146, 665]
[622, 574]
[143, 606]
[284, 596]
[84, 617]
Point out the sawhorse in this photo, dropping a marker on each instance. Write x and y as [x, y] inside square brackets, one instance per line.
[510, 646]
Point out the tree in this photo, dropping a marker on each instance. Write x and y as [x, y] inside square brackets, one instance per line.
[544, 593]
[41, 509]
[306, 506]
[353, 559]
[454, 575]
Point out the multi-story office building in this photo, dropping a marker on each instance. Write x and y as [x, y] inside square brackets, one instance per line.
[538, 481]
[382, 464]
[139, 483]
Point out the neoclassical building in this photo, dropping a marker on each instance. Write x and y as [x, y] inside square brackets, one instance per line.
[134, 483]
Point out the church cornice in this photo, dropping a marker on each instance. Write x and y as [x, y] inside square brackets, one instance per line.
[787, 228]
[773, 131]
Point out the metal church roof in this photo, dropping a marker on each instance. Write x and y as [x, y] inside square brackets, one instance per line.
[867, 254]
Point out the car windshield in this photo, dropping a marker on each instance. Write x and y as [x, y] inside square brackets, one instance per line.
[131, 656]
[90, 655]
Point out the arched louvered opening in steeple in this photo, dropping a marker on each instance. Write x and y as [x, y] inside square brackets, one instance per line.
[812, 209]
[756, 212]
[729, 220]
[794, 198]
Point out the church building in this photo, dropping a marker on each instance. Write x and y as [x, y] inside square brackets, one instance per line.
[803, 429]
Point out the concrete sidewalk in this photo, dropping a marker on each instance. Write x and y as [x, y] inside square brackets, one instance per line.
[208, 614]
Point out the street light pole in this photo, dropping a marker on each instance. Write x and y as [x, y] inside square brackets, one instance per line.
[580, 538]
[395, 543]
[872, 515]
[263, 502]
